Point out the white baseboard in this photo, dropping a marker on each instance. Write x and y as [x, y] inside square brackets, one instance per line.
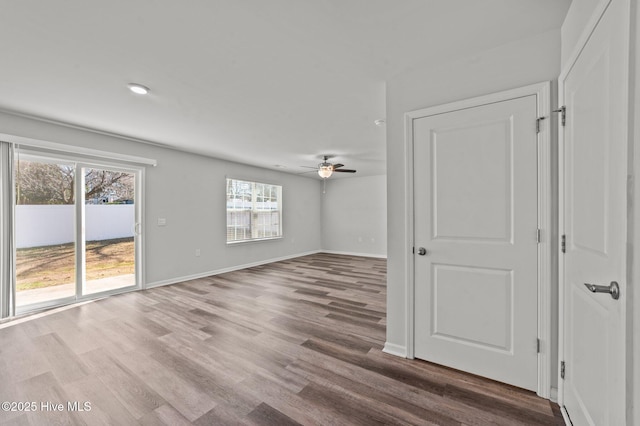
[393, 349]
[350, 253]
[225, 270]
[565, 416]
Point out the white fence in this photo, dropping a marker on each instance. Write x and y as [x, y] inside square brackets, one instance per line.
[48, 225]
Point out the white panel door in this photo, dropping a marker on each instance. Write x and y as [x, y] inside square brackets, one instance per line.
[475, 213]
[595, 217]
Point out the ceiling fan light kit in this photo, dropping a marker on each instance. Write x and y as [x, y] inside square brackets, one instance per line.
[326, 169]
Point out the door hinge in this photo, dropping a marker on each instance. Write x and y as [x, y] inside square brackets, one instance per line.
[538, 235]
[414, 250]
[562, 369]
[563, 243]
[538, 120]
[563, 114]
[537, 345]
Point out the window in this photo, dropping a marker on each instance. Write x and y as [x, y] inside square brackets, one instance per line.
[254, 211]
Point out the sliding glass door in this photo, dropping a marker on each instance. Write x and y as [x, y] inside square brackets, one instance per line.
[109, 229]
[76, 228]
[44, 231]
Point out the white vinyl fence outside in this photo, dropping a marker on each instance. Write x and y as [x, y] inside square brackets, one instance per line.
[48, 225]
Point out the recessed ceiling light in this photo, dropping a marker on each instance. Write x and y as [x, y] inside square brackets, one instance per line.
[138, 88]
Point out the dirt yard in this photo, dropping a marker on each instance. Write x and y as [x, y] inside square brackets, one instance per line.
[39, 267]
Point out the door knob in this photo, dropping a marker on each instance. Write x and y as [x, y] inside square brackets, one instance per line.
[422, 251]
[613, 289]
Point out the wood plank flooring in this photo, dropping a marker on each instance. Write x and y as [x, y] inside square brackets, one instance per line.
[293, 342]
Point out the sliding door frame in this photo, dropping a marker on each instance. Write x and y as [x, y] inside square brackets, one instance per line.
[81, 284]
[80, 163]
[44, 158]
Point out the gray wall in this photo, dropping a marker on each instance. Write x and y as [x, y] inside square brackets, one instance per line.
[354, 216]
[188, 190]
[512, 65]
[633, 285]
[578, 16]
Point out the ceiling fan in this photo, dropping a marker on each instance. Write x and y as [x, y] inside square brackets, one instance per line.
[326, 169]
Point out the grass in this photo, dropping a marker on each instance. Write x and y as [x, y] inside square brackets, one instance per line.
[38, 267]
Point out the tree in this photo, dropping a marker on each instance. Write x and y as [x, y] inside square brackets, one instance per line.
[43, 183]
[116, 186]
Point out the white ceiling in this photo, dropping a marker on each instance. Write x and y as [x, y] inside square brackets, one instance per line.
[277, 82]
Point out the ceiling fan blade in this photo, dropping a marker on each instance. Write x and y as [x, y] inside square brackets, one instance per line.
[336, 166]
[307, 167]
[304, 173]
[345, 171]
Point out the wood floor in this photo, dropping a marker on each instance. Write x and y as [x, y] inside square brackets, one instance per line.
[293, 342]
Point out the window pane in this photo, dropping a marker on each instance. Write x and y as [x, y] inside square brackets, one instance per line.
[45, 231]
[109, 230]
[253, 210]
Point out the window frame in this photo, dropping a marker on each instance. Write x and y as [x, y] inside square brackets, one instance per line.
[253, 211]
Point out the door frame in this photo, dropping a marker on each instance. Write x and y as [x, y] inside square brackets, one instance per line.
[546, 247]
[90, 157]
[632, 346]
[79, 295]
[81, 232]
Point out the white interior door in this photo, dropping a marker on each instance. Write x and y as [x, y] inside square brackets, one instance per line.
[475, 214]
[595, 217]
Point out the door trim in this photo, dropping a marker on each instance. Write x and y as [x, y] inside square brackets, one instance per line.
[546, 247]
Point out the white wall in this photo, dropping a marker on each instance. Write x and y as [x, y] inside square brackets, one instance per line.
[354, 216]
[188, 190]
[45, 225]
[104, 222]
[509, 66]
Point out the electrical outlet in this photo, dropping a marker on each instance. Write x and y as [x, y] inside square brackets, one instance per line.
[162, 221]
[197, 252]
